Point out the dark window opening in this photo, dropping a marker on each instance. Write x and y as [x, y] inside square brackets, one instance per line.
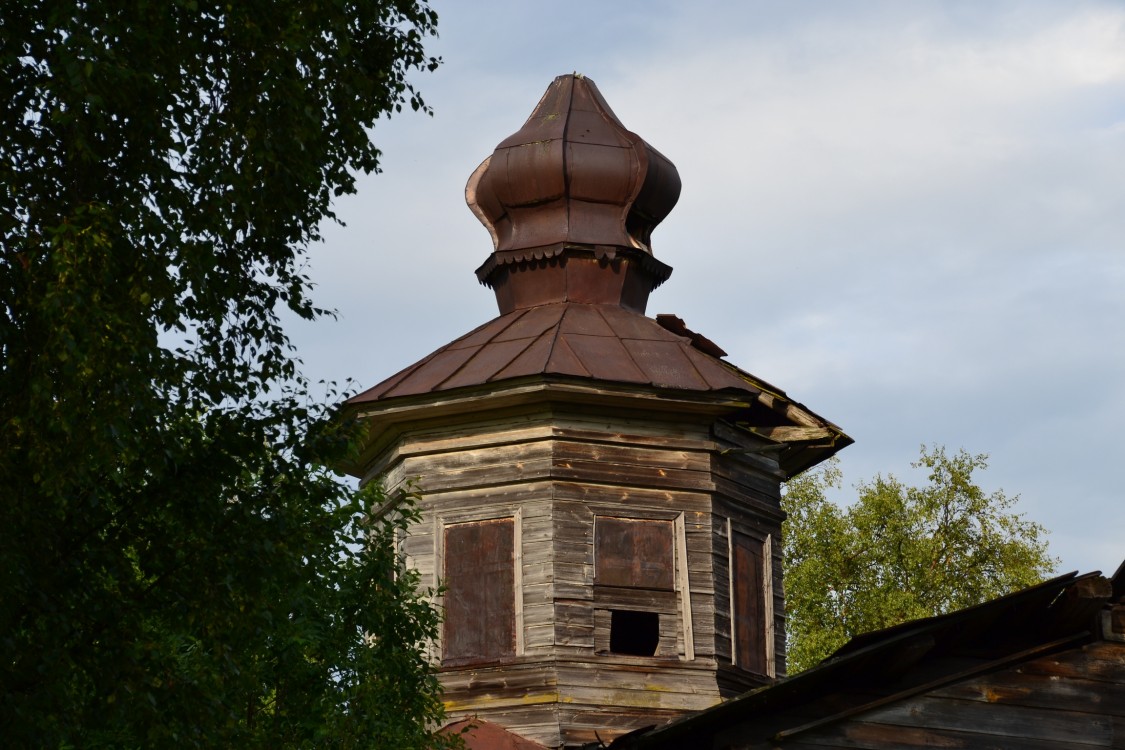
[634, 633]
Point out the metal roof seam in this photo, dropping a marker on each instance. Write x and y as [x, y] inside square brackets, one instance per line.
[687, 348]
[388, 384]
[564, 349]
[557, 333]
[609, 325]
[530, 340]
[438, 386]
[565, 155]
[500, 375]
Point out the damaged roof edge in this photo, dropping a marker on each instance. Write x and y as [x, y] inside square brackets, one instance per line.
[1037, 620]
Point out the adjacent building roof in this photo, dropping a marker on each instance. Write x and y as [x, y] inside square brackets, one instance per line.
[1053, 654]
[479, 734]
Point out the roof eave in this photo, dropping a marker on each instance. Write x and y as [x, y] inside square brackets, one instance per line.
[387, 417]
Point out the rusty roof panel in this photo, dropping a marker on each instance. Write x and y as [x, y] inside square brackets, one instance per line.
[564, 361]
[589, 99]
[665, 364]
[591, 220]
[479, 734]
[584, 319]
[546, 121]
[541, 177]
[377, 391]
[486, 362]
[534, 323]
[675, 325]
[433, 372]
[599, 178]
[537, 225]
[587, 126]
[628, 325]
[718, 375]
[606, 358]
[533, 360]
[487, 332]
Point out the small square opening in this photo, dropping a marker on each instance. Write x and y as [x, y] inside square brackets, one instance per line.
[634, 633]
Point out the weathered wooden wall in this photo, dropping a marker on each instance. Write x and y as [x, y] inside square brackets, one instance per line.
[748, 504]
[554, 470]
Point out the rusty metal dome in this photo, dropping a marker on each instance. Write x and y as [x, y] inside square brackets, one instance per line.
[573, 184]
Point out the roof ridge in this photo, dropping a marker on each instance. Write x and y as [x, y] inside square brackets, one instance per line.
[558, 329]
[560, 341]
[479, 347]
[523, 350]
[389, 383]
[689, 350]
[608, 324]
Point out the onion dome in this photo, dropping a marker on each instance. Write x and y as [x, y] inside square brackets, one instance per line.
[571, 200]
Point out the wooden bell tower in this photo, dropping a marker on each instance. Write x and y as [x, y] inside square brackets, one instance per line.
[601, 489]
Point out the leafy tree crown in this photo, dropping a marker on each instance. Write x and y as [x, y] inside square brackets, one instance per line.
[899, 552]
[178, 568]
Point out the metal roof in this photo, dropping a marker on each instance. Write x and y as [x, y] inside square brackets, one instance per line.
[571, 200]
[601, 342]
[877, 668]
[572, 174]
[479, 734]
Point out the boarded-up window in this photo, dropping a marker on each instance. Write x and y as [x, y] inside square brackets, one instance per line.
[748, 603]
[480, 623]
[633, 553]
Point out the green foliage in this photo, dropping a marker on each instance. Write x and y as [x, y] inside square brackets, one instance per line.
[899, 553]
[177, 570]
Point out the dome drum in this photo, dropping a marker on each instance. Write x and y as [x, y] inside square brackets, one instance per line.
[597, 275]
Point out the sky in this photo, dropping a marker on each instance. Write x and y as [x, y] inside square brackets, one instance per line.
[908, 215]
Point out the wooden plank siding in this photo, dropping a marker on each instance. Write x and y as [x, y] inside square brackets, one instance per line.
[554, 472]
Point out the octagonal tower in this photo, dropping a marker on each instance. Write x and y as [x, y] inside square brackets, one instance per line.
[600, 488]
